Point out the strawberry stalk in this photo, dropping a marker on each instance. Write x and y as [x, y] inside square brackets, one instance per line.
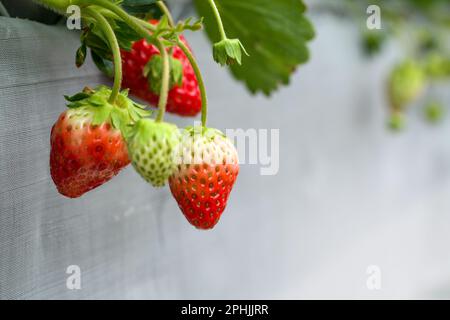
[136, 26]
[199, 76]
[162, 6]
[193, 62]
[130, 20]
[114, 45]
[164, 94]
[223, 35]
[195, 66]
[142, 28]
[226, 51]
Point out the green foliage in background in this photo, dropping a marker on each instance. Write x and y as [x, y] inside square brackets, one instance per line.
[422, 28]
[275, 34]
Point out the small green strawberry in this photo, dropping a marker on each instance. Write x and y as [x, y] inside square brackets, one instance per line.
[434, 112]
[151, 147]
[397, 121]
[406, 83]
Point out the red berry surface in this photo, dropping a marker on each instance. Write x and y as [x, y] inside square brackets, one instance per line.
[184, 100]
[84, 156]
[202, 188]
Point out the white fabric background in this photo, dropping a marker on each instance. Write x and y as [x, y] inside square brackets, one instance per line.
[349, 194]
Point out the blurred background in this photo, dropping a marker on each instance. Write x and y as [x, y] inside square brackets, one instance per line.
[350, 193]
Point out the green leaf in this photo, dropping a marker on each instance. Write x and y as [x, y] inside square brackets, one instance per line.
[104, 65]
[97, 101]
[125, 35]
[97, 44]
[140, 6]
[75, 104]
[93, 37]
[80, 55]
[77, 97]
[275, 34]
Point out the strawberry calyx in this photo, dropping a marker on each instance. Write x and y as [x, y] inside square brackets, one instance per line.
[228, 52]
[121, 115]
[201, 131]
[154, 69]
[147, 129]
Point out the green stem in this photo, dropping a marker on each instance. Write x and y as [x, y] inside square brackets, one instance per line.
[166, 11]
[114, 45]
[216, 13]
[199, 76]
[136, 25]
[197, 72]
[130, 20]
[164, 93]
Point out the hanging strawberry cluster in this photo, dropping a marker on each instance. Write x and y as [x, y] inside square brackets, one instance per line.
[103, 130]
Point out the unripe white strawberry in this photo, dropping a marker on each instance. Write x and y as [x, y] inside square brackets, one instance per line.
[151, 146]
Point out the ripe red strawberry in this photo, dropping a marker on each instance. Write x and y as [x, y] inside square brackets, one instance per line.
[207, 170]
[184, 99]
[87, 147]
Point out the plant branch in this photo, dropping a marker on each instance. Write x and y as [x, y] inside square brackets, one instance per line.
[166, 11]
[197, 72]
[114, 45]
[130, 20]
[216, 13]
[136, 25]
[199, 76]
[164, 93]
